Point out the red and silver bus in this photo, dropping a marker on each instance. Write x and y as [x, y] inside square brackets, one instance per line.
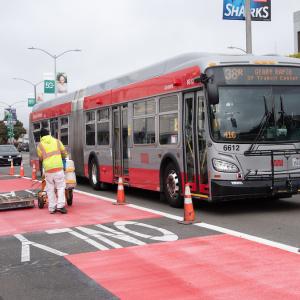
[227, 125]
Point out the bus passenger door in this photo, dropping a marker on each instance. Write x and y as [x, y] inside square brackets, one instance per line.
[194, 141]
[189, 141]
[120, 141]
[201, 145]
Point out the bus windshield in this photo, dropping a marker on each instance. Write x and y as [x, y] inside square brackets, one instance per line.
[256, 114]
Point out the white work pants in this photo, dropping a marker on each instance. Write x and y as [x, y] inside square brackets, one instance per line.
[55, 181]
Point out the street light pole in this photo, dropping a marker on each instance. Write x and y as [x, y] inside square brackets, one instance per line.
[55, 57]
[248, 27]
[31, 83]
[233, 47]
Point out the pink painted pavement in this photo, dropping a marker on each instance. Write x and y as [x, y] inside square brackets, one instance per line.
[210, 267]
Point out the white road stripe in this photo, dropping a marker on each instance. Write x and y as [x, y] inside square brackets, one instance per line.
[96, 196]
[249, 237]
[78, 235]
[25, 252]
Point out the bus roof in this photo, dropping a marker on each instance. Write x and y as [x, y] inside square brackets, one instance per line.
[203, 60]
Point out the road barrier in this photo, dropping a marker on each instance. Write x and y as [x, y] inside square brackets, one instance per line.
[189, 214]
[120, 194]
[12, 169]
[22, 170]
[33, 174]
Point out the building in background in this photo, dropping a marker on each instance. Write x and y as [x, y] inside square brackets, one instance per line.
[297, 32]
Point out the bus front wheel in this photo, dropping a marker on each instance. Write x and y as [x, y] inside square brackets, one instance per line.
[172, 186]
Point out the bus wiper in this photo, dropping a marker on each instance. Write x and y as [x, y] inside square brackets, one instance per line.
[282, 131]
[263, 123]
[281, 112]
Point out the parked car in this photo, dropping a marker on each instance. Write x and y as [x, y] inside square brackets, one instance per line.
[9, 153]
[23, 147]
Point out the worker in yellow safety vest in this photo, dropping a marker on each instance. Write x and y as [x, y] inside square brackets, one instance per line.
[51, 152]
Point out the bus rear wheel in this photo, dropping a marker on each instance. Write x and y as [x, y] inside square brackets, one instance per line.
[94, 174]
[172, 186]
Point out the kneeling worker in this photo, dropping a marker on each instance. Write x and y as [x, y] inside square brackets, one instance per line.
[51, 152]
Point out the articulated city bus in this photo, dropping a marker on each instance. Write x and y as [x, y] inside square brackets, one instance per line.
[227, 125]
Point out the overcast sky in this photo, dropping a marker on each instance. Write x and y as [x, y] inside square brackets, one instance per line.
[119, 36]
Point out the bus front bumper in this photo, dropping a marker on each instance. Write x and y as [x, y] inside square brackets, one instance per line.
[225, 190]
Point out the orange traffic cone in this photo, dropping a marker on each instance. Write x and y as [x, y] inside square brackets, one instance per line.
[22, 170]
[33, 174]
[12, 169]
[189, 214]
[120, 194]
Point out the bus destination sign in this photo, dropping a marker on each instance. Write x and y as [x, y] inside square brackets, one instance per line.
[274, 75]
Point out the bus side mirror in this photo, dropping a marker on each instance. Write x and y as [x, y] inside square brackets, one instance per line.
[212, 88]
[212, 93]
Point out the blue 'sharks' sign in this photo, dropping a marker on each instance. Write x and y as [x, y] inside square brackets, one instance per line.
[235, 10]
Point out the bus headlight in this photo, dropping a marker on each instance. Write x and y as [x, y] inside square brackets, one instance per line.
[224, 166]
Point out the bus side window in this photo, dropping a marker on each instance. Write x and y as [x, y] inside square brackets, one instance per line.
[64, 130]
[45, 124]
[90, 128]
[103, 127]
[168, 120]
[36, 131]
[54, 127]
[144, 122]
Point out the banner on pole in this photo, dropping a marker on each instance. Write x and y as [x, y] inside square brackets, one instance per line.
[49, 86]
[235, 10]
[61, 83]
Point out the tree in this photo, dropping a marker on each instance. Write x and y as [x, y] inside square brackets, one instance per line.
[3, 133]
[296, 55]
[19, 130]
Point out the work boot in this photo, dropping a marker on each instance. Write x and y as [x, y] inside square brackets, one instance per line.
[62, 210]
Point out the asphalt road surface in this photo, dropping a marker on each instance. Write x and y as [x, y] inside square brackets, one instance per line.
[104, 251]
[277, 221]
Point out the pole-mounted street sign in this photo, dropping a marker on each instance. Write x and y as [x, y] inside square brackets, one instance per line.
[49, 86]
[31, 102]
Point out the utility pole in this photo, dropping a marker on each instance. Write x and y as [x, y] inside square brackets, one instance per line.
[248, 26]
[31, 83]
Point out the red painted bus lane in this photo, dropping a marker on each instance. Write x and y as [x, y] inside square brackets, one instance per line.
[85, 210]
[211, 267]
[17, 184]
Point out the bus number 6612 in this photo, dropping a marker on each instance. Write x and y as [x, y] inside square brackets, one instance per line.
[231, 147]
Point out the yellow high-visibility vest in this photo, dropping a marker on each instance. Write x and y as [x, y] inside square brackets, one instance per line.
[51, 151]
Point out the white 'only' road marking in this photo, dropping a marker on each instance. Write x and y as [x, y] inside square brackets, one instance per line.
[207, 226]
[204, 225]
